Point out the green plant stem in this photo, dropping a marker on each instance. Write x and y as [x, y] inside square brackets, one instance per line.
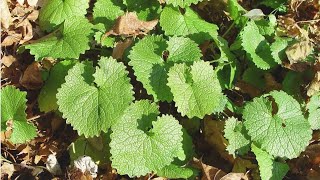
[228, 30]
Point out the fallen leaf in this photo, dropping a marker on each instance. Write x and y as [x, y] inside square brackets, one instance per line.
[11, 38]
[299, 51]
[209, 172]
[235, 176]
[7, 168]
[8, 60]
[271, 83]
[5, 14]
[21, 2]
[26, 30]
[120, 47]
[314, 86]
[32, 2]
[31, 78]
[213, 134]
[247, 88]
[129, 25]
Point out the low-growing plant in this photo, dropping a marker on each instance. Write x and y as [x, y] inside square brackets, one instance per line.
[99, 98]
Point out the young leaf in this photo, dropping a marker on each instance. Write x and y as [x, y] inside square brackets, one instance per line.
[257, 48]
[276, 130]
[69, 41]
[182, 3]
[314, 111]
[173, 22]
[54, 12]
[269, 168]
[13, 106]
[234, 131]
[145, 11]
[150, 67]
[139, 144]
[236, 12]
[173, 171]
[227, 63]
[195, 90]
[47, 98]
[106, 11]
[91, 109]
[278, 49]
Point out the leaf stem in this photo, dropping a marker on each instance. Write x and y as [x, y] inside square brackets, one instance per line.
[228, 30]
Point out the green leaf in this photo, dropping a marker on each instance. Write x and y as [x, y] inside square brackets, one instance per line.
[192, 87]
[179, 168]
[173, 22]
[173, 171]
[69, 41]
[142, 142]
[92, 106]
[278, 49]
[97, 148]
[313, 107]
[267, 27]
[257, 48]
[54, 12]
[254, 77]
[47, 98]
[236, 12]
[22, 132]
[106, 11]
[281, 130]
[145, 11]
[182, 3]
[235, 133]
[269, 168]
[13, 106]
[227, 67]
[276, 4]
[150, 67]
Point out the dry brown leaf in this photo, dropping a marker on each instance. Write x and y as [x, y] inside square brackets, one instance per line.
[129, 25]
[33, 15]
[314, 86]
[7, 168]
[8, 60]
[209, 172]
[247, 88]
[213, 134]
[235, 176]
[11, 38]
[26, 30]
[5, 14]
[271, 83]
[120, 47]
[241, 165]
[299, 51]
[31, 78]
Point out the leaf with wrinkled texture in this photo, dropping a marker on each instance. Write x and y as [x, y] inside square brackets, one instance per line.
[269, 168]
[234, 131]
[313, 107]
[283, 134]
[142, 142]
[13, 106]
[91, 109]
[47, 98]
[173, 22]
[193, 86]
[54, 12]
[69, 41]
[151, 68]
